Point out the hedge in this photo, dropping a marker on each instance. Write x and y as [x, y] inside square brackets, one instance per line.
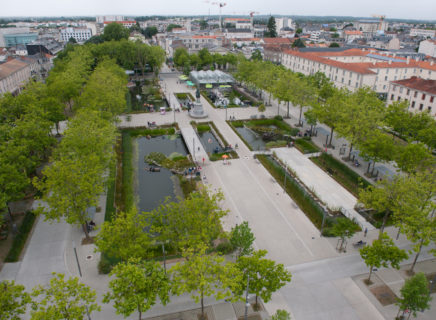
[21, 237]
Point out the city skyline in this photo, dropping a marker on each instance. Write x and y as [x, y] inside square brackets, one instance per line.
[422, 9]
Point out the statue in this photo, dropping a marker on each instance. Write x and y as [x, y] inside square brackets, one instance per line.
[197, 94]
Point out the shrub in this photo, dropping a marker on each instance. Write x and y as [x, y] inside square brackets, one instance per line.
[279, 118]
[276, 144]
[104, 265]
[203, 128]
[237, 123]
[21, 237]
[306, 146]
[225, 248]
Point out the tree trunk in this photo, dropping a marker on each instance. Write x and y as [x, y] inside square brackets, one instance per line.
[288, 110]
[269, 99]
[57, 127]
[331, 136]
[256, 301]
[85, 229]
[369, 166]
[349, 154]
[370, 273]
[202, 306]
[139, 311]
[417, 255]
[382, 228]
[300, 123]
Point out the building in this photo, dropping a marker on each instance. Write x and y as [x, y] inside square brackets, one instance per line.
[351, 35]
[428, 47]
[238, 33]
[422, 33]
[15, 39]
[283, 23]
[239, 23]
[48, 46]
[102, 19]
[14, 74]
[356, 68]
[126, 24]
[420, 94]
[6, 31]
[78, 34]
[370, 27]
[384, 43]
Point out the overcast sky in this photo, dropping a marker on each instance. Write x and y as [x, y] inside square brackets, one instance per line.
[406, 9]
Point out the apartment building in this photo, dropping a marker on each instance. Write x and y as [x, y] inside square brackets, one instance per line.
[356, 68]
[422, 33]
[428, 47]
[126, 24]
[14, 74]
[78, 34]
[420, 93]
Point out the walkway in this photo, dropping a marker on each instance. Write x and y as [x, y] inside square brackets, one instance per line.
[194, 144]
[328, 190]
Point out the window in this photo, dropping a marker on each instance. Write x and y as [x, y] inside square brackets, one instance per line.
[423, 96]
[398, 99]
[392, 97]
[429, 109]
[336, 78]
[384, 87]
[394, 88]
[342, 80]
[395, 78]
[408, 91]
[349, 82]
[357, 84]
[386, 78]
[421, 106]
[431, 98]
[401, 90]
[415, 94]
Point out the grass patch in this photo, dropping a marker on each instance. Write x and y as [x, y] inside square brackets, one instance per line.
[239, 124]
[187, 185]
[232, 154]
[204, 94]
[284, 127]
[306, 203]
[21, 237]
[349, 179]
[202, 128]
[184, 96]
[306, 146]
[276, 144]
[137, 132]
[110, 198]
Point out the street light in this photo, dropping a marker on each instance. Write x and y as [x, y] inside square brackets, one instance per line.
[80, 273]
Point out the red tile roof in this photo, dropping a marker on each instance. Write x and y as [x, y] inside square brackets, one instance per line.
[418, 84]
[353, 32]
[277, 40]
[236, 19]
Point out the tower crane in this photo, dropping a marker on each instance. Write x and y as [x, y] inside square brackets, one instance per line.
[252, 13]
[380, 24]
[220, 4]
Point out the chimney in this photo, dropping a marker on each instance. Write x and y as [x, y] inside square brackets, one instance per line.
[408, 60]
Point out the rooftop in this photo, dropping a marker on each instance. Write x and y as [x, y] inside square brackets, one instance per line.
[10, 67]
[418, 84]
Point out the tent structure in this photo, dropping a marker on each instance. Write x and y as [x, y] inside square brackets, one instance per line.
[183, 77]
[210, 77]
[189, 83]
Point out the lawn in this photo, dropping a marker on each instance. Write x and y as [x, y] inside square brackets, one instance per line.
[306, 146]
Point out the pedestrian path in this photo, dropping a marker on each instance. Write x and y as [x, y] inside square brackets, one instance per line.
[193, 143]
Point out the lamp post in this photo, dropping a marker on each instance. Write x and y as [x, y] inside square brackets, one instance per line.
[80, 273]
[162, 243]
[326, 140]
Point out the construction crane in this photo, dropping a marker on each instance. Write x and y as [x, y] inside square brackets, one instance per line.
[380, 24]
[252, 13]
[220, 4]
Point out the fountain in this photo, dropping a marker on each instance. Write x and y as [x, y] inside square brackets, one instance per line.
[197, 110]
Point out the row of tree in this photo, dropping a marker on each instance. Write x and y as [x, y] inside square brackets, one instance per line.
[189, 226]
[204, 59]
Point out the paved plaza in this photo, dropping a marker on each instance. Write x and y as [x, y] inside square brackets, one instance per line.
[325, 284]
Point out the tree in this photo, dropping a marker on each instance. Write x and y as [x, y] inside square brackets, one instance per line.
[382, 252]
[189, 222]
[171, 26]
[72, 40]
[414, 295]
[115, 31]
[136, 286]
[63, 299]
[377, 147]
[261, 108]
[205, 57]
[334, 45]
[271, 27]
[344, 228]
[256, 55]
[266, 277]
[13, 300]
[203, 24]
[242, 239]
[298, 43]
[124, 237]
[281, 315]
[149, 32]
[205, 275]
[414, 157]
[299, 31]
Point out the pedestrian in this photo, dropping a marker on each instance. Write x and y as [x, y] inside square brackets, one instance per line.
[203, 160]
[365, 232]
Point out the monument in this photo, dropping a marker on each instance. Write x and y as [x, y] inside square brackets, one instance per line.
[197, 110]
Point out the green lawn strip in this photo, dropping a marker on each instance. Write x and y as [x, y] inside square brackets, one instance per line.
[349, 179]
[184, 96]
[162, 130]
[276, 144]
[127, 196]
[280, 124]
[306, 146]
[110, 197]
[20, 239]
[233, 154]
[306, 203]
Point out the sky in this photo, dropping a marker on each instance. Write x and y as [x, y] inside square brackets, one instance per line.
[404, 9]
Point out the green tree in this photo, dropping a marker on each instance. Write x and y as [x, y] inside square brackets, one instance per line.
[189, 222]
[242, 239]
[181, 57]
[299, 31]
[203, 24]
[344, 228]
[334, 45]
[414, 295]
[124, 237]
[205, 275]
[149, 32]
[298, 43]
[281, 315]
[271, 27]
[261, 108]
[63, 299]
[382, 252]
[414, 157]
[171, 26]
[377, 147]
[72, 40]
[266, 277]
[136, 286]
[115, 31]
[13, 300]
[205, 57]
[256, 55]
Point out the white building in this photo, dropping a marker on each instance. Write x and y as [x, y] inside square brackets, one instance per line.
[282, 23]
[422, 33]
[420, 93]
[239, 23]
[102, 19]
[79, 34]
[356, 68]
[428, 47]
[126, 24]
